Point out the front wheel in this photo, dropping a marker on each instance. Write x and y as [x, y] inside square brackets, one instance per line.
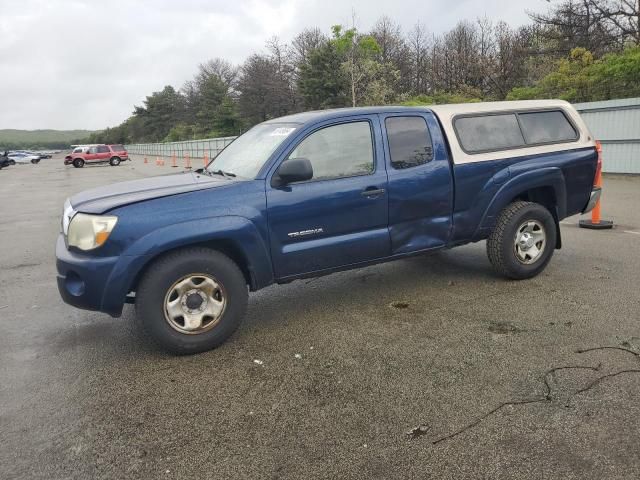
[191, 300]
[78, 163]
[522, 241]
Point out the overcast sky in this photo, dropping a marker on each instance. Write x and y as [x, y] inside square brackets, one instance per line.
[69, 64]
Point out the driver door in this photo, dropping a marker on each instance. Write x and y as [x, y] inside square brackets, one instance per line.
[91, 154]
[339, 217]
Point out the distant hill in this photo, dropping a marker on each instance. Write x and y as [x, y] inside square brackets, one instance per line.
[12, 139]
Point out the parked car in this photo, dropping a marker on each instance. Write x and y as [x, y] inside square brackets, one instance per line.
[318, 192]
[90, 154]
[23, 158]
[4, 160]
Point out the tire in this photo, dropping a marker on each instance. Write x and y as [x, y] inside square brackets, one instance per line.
[12, 162]
[162, 281]
[114, 162]
[78, 163]
[512, 253]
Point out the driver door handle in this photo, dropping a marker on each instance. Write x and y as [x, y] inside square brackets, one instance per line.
[372, 191]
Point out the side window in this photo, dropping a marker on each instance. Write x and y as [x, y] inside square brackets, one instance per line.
[344, 150]
[409, 141]
[103, 149]
[546, 127]
[489, 132]
[92, 150]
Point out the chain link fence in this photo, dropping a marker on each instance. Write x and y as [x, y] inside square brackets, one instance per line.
[194, 148]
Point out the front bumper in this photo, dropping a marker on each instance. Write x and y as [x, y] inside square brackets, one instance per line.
[593, 199]
[84, 281]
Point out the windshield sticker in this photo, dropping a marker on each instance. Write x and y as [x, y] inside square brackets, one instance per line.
[281, 132]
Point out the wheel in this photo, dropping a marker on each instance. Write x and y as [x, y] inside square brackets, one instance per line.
[114, 162]
[12, 162]
[191, 300]
[78, 163]
[522, 241]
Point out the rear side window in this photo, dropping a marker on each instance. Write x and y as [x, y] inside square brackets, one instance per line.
[546, 127]
[117, 148]
[489, 132]
[103, 149]
[492, 132]
[409, 141]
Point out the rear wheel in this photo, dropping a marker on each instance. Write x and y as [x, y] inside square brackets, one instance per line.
[522, 241]
[115, 161]
[78, 163]
[191, 300]
[12, 162]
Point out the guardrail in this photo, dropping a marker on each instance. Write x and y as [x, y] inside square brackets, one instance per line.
[194, 148]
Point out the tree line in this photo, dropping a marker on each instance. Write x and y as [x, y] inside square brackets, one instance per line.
[579, 50]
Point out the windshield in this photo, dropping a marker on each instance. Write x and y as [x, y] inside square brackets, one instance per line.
[247, 154]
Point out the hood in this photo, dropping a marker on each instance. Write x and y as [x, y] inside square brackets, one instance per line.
[101, 199]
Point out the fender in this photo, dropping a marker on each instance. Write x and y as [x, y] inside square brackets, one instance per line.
[522, 180]
[239, 231]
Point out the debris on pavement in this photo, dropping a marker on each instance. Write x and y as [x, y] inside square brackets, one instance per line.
[399, 305]
[418, 431]
[503, 328]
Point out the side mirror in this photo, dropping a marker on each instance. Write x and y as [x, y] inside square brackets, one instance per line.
[292, 170]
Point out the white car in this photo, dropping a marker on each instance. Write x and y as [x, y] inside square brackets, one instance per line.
[23, 158]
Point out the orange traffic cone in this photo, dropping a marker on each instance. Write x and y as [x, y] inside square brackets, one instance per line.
[187, 161]
[205, 160]
[173, 160]
[145, 160]
[596, 223]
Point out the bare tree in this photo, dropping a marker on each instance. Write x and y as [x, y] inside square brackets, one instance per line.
[623, 15]
[577, 23]
[418, 42]
[393, 53]
[306, 42]
[226, 71]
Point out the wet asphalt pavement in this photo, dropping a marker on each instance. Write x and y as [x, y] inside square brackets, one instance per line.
[347, 364]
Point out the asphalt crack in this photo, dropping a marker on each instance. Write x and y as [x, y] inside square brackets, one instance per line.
[547, 396]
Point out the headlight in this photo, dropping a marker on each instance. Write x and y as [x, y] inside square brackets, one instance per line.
[87, 232]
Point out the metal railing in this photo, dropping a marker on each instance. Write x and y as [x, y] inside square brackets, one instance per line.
[194, 148]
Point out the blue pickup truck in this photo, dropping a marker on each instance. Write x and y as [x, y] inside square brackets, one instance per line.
[317, 192]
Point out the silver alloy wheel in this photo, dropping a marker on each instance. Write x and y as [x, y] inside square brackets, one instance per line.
[195, 303]
[529, 242]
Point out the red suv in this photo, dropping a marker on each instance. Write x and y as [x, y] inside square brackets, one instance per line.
[113, 154]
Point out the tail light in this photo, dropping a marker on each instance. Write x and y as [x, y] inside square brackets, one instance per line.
[597, 179]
